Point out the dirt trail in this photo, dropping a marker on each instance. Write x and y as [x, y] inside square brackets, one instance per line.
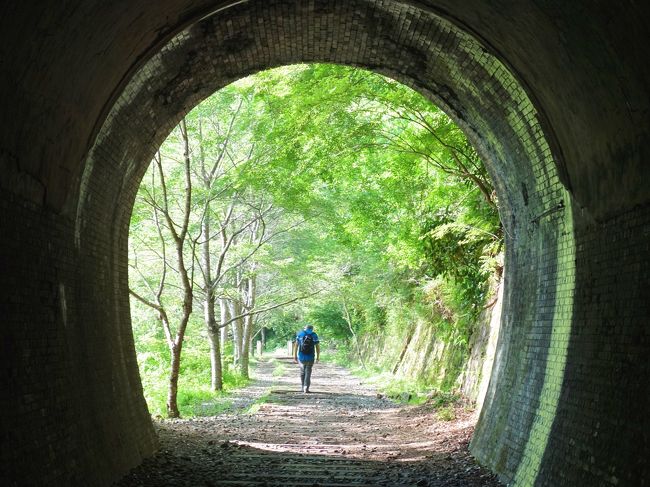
[340, 434]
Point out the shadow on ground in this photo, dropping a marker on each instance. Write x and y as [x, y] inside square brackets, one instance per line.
[342, 434]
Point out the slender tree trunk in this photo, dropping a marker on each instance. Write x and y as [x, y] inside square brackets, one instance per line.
[224, 334]
[177, 346]
[237, 329]
[409, 336]
[348, 319]
[246, 346]
[172, 391]
[188, 294]
[225, 316]
[216, 381]
[247, 331]
[216, 376]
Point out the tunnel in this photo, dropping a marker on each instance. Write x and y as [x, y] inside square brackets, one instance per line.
[554, 96]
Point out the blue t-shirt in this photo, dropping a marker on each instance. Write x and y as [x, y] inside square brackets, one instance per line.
[301, 356]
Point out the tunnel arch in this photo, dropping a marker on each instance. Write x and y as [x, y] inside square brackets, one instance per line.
[435, 57]
[569, 395]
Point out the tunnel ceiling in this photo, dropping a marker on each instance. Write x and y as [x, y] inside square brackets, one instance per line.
[578, 60]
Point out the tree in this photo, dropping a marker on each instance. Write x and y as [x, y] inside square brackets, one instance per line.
[184, 268]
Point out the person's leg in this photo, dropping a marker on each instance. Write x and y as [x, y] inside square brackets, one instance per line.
[307, 382]
[302, 377]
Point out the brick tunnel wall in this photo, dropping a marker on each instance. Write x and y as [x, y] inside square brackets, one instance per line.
[72, 406]
[569, 389]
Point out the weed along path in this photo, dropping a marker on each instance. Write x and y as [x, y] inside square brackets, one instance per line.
[341, 434]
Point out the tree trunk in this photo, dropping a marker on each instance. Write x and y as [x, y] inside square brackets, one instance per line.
[225, 316]
[409, 336]
[216, 382]
[246, 346]
[172, 391]
[179, 240]
[237, 329]
[247, 331]
[216, 375]
[348, 319]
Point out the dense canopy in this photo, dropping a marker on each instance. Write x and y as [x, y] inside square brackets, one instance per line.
[314, 194]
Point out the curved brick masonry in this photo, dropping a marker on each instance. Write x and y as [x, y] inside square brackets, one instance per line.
[547, 95]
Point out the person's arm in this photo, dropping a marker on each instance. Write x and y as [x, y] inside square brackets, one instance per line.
[317, 352]
[295, 351]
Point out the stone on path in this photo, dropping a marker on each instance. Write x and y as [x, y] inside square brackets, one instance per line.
[341, 434]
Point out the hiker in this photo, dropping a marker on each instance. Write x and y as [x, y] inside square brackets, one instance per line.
[305, 350]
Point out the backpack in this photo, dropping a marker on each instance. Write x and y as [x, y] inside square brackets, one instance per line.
[307, 344]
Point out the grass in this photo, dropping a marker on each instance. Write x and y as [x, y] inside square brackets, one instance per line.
[417, 393]
[446, 413]
[279, 368]
[401, 389]
[201, 402]
[339, 356]
[255, 407]
[195, 397]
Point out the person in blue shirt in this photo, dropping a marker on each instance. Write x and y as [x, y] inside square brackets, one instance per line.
[306, 351]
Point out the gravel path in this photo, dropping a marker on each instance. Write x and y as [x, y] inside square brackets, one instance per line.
[341, 434]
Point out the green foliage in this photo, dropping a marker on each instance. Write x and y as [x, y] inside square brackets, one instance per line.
[195, 397]
[328, 317]
[338, 353]
[279, 369]
[255, 407]
[383, 211]
[282, 327]
[446, 413]
[439, 399]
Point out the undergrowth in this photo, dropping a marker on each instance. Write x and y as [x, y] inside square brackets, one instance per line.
[400, 389]
[195, 397]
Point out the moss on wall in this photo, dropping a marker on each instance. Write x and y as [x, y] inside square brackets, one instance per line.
[439, 353]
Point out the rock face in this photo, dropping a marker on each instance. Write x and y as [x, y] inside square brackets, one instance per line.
[474, 381]
[554, 96]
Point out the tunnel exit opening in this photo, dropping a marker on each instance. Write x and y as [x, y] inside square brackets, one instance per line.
[436, 58]
[332, 167]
